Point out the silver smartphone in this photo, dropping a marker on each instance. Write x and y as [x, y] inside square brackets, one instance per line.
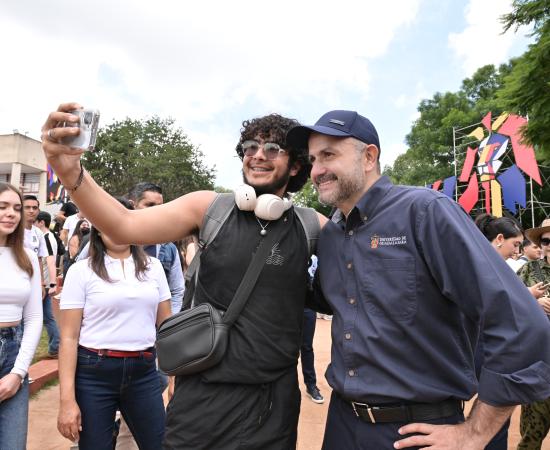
[88, 124]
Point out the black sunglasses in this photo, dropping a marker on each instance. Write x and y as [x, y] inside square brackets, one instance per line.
[545, 241]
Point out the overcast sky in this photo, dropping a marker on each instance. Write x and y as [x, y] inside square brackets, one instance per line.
[212, 64]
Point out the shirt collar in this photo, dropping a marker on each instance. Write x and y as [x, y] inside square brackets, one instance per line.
[111, 260]
[368, 203]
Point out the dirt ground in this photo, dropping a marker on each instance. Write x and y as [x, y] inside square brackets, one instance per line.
[43, 433]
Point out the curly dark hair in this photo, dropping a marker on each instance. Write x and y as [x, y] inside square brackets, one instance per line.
[275, 128]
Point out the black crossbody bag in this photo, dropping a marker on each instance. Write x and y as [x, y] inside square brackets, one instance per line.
[196, 339]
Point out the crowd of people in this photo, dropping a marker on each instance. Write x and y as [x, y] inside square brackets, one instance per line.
[413, 338]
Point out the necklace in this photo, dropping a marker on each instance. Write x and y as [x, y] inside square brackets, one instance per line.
[263, 232]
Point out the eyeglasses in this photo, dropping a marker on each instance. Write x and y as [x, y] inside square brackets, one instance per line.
[271, 149]
[545, 241]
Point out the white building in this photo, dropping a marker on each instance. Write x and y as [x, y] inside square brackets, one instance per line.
[23, 164]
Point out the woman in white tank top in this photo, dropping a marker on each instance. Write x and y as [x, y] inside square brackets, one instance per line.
[20, 298]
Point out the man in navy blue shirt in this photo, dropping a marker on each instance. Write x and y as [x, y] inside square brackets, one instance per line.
[412, 284]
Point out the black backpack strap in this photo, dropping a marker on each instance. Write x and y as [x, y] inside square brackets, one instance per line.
[311, 225]
[215, 216]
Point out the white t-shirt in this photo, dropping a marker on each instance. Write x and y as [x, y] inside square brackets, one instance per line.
[516, 264]
[119, 315]
[34, 239]
[70, 225]
[21, 298]
[51, 250]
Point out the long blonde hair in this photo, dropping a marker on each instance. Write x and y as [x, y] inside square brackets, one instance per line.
[16, 238]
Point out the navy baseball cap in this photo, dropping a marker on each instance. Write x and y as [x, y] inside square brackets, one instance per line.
[338, 123]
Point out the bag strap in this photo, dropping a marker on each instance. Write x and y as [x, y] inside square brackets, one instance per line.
[216, 215]
[249, 280]
[312, 228]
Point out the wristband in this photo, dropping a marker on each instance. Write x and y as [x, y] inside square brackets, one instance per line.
[78, 181]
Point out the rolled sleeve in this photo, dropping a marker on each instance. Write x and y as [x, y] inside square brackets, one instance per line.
[520, 387]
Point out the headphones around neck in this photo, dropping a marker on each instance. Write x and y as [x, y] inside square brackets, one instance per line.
[265, 207]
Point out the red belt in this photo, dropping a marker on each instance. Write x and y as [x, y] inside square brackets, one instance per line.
[120, 353]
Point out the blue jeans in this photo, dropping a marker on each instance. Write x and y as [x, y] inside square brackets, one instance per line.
[306, 349]
[15, 410]
[131, 385]
[51, 326]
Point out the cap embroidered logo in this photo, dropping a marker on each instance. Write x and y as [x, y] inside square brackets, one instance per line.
[337, 122]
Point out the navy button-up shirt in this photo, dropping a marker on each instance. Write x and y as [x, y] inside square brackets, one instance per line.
[410, 280]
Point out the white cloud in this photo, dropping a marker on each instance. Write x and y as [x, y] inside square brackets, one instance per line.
[221, 154]
[199, 62]
[411, 97]
[390, 152]
[482, 41]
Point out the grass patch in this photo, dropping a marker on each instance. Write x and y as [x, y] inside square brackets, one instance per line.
[46, 385]
[42, 348]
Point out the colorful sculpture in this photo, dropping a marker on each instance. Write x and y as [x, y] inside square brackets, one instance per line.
[511, 184]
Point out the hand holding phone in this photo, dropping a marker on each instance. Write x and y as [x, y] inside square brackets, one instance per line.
[88, 125]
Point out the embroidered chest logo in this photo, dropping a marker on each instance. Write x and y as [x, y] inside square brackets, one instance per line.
[275, 258]
[377, 241]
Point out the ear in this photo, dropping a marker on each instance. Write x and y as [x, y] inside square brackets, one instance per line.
[371, 157]
[499, 239]
[295, 168]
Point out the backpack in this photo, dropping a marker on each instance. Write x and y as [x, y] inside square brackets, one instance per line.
[60, 246]
[216, 215]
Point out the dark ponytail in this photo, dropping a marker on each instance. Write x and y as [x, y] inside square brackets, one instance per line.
[492, 226]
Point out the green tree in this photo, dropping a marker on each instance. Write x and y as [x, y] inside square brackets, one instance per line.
[308, 197]
[154, 150]
[526, 89]
[430, 154]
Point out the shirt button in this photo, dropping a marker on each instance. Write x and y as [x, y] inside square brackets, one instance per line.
[364, 218]
[351, 373]
[351, 301]
[349, 266]
[347, 336]
[350, 232]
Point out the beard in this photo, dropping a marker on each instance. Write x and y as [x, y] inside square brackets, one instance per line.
[272, 187]
[346, 186]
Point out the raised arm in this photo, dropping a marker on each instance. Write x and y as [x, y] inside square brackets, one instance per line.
[168, 222]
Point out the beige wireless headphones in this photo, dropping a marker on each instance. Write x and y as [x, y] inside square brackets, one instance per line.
[266, 206]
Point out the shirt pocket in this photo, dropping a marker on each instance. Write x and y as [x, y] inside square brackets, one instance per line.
[389, 288]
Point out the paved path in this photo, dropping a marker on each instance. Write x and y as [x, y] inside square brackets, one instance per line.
[43, 433]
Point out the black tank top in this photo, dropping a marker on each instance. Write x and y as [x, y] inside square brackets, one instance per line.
[264, 342]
